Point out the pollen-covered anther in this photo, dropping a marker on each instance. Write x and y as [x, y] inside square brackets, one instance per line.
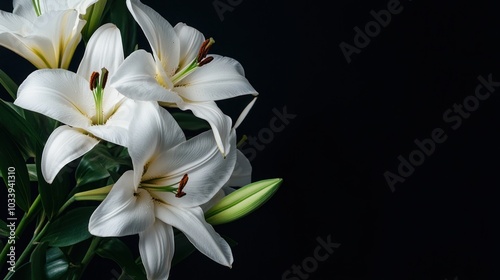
[182, 184]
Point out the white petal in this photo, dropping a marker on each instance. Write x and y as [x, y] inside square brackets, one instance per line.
[115, 130]
[160, 34]
[62, 29]
[202, 235]
[124, 211]
[135, 79]
[104, 49]
[200, 159]
[218, 121]
[58, 94]
[156, 246]
[152, 130]
[190, 42]
[24, 8]
[13, 23]
[222, 78]
[64, 145]
[242, 173]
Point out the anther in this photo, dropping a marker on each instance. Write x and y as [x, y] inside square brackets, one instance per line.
[104, 77]
[205, 47]
[182, 184]
[93, 80]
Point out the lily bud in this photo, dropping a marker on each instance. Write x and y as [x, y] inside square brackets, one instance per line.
[242, 201]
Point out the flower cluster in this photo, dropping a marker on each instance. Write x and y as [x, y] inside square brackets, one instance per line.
[161, 184]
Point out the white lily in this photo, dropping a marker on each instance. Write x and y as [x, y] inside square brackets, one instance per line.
[45, 32]
[91, 110]
[179, 73]
[170, 180]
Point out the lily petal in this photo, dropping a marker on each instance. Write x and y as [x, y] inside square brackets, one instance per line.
[159, 33]
[222, 78]
[47, 42]
[152, 130]
[242, 173]
[64, 145]
[135, 79]
[202, 235]
[218, 121]
[156, 246]
[190, 42]
[124, 211]
[104, 49]
[57, 93]
[199, 158]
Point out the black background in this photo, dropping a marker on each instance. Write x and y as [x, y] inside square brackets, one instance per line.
[351, 122]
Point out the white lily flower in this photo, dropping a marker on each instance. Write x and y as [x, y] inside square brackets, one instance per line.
[171, 178]
[180, 73]
[91, 110]
[45, 32]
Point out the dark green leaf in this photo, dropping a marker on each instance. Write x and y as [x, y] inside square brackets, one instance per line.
[56, 264]
[8, 84]
[117, 251]
[70, 228]
[37, 260]
[20, 129]
[183, 248]
[4, 230]
[100, 163]
[14, 171]
[188, 121]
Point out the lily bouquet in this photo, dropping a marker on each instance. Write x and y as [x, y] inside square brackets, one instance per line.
[130, 142]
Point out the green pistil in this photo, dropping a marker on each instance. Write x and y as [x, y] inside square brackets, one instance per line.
[176, 188]
[38, 9]
[97, 85]
[199, 61]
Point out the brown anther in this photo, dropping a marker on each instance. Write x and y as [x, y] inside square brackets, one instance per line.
[206, 60]
[104, 77]
[182, 184]
[93, 80]
[205, 47]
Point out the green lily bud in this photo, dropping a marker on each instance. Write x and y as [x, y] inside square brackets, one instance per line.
[242, 201]
[95, 194]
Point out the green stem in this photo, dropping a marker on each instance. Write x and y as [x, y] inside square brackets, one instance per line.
[29, 247]
[20, 228]
[88, 257]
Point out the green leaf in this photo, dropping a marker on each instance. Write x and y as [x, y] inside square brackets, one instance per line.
[70, 228]
[32, 172]
[189, 121]
[8, 84]
[183, 248]
[117, 251]
[56, 264]
[242, 201]
[21, 130]
[4, 230]
[14, 171]
[38, 260]
[100, 163]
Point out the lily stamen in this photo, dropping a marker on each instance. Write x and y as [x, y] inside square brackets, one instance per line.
[97, 85]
